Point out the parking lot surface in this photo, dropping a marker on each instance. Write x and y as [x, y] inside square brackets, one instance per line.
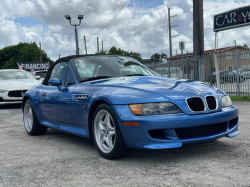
[59, 159]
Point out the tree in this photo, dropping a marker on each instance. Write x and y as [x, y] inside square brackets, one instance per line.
[155, 57]
[114, 51]
[245, 45]
[10, 55]
[163, 56]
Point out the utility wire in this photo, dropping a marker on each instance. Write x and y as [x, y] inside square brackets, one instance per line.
[112, 18]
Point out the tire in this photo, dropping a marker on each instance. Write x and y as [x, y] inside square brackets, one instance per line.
[107, 134]
[31, 123]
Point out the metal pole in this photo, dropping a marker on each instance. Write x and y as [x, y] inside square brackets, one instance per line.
[102, 45]
[77, 47]
[97, 45]
[59, 55]
[188, 76]
[210, 68]
[237, 66]
[85, 45]
[169, 28]
[198, 28]
[169, 69]
[182, 63]
[216, 65]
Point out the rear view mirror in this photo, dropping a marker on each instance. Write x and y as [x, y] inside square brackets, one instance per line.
[56, 82]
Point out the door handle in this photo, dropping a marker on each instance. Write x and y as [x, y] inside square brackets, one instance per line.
[43, 93]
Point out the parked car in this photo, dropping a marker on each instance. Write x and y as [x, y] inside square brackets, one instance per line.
[244, 72]
[175, 72]
[226, 76]
[40, 75]
[13, 85]
[123, 105]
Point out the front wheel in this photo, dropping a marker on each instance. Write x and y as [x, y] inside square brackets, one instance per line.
[31, 123]
[107, 134]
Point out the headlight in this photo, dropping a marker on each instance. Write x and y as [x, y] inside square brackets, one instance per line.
[225, 101]
[2, 91]
[154, 109]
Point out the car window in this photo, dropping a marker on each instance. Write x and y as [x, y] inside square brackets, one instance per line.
[69, 80]
[59, 71]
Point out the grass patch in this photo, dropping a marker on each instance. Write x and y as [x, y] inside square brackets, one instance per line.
[240, 98]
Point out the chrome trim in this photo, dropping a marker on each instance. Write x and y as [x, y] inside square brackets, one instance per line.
[196, 111]
[79, 97]
[217, 105]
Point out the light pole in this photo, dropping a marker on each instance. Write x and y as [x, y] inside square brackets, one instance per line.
[80, 17]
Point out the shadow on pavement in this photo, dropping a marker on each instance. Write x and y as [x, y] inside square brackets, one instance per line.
[10, 106]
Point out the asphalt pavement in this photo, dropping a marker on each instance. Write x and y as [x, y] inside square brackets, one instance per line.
[59, 159]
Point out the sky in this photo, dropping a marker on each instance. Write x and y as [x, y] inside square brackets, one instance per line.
[139, 27]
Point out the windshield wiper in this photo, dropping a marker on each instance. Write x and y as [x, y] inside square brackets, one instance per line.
[95, 78]
[136, 74]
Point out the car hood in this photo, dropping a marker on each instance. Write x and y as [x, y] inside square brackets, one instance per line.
[162, 86]
[129, 90]
[17, 84]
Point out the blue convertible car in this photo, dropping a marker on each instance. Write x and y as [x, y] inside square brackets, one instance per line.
[121, 104]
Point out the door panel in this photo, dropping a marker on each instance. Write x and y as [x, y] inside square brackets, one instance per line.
[55, 104]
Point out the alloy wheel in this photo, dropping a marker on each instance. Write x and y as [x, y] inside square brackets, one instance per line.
[104, 130]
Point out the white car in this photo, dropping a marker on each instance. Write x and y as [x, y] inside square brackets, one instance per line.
[13, 84]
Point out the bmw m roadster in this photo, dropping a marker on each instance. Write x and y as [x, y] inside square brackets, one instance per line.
[121, 104]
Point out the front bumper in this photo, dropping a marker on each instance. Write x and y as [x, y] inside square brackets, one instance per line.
[167, 125]
[5, 99]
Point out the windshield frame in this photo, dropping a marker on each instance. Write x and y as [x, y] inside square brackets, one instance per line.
[100, 56]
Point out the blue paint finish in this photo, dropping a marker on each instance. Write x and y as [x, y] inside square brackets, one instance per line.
[163, 146]
[233, 134]
[56, 104]
[138, 137]
[59, 110]
[66, 128]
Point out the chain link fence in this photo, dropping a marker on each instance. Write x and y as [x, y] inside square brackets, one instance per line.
[234, 70]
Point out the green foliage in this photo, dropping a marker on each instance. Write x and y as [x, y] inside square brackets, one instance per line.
[245, 45]
[240, 98]
[22, 52]
[114, 51]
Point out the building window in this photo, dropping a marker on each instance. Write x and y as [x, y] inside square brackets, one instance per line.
[229, 55]
[245, 56]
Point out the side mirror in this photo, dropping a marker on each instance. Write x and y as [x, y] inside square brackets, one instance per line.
[56, 82]
[38, 77]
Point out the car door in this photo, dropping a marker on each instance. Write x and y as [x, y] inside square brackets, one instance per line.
[55, 104]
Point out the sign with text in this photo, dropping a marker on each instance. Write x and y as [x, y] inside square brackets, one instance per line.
[232, 19]
[34, 66]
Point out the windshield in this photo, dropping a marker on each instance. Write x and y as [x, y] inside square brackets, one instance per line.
[10, 75]
[109, 66]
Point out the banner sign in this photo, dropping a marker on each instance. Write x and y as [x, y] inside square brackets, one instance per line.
[232, 19]
[33, 66]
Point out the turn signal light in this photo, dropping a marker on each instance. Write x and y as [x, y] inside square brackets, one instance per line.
[131, 123]
[136, 109]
